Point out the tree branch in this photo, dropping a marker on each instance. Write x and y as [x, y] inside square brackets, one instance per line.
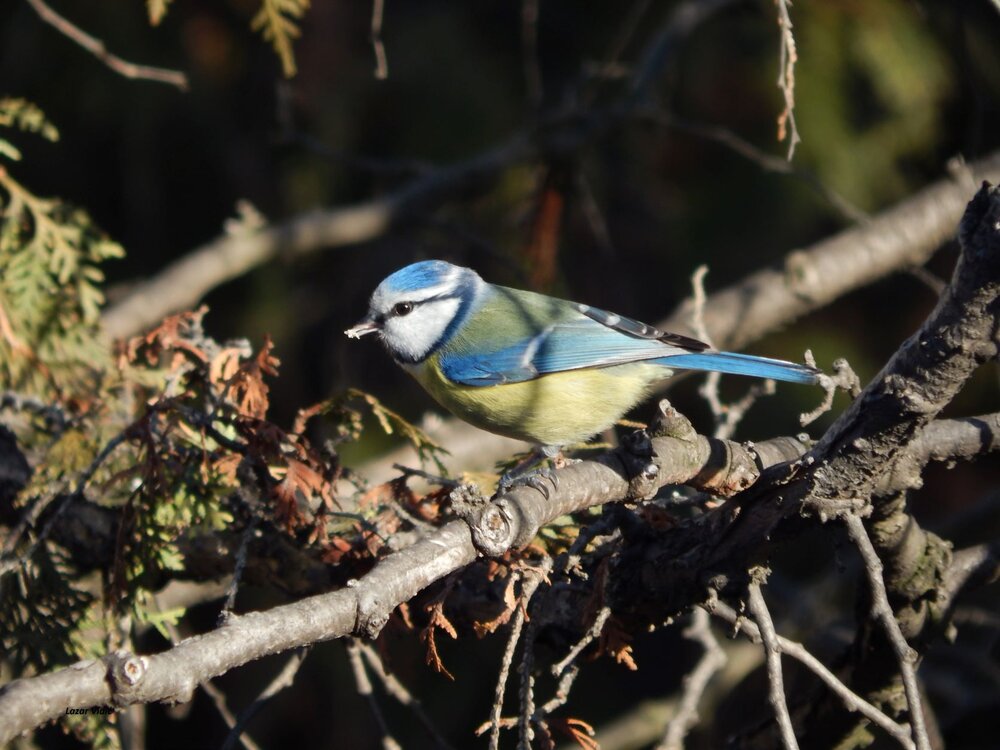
[363, 606]
[852, 701]
[883, 612]
[899, 237]
[181, 284]
[772, 654]
[667, 573]
[96, 47]
[713, 659]
[715, 547]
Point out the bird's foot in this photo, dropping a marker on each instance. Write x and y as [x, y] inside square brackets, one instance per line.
[529, 473]
[543, 479]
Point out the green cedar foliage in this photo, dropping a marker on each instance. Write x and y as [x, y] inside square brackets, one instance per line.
[169, 432]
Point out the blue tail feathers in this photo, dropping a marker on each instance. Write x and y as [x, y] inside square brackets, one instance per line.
[742, 364]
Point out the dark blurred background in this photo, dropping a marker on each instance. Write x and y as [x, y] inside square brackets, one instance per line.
[886, 93]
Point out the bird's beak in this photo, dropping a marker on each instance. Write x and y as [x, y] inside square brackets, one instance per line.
[363, 328]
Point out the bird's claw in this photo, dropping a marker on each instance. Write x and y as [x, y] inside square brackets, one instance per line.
[539, 479]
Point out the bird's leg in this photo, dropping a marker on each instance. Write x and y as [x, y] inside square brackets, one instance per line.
[528, 471]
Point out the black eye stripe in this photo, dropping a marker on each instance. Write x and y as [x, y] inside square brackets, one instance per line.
[409, 305]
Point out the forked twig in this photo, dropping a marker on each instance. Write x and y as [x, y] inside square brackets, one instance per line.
[852, 701]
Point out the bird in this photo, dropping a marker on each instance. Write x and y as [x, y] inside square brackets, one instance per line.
[529, 366]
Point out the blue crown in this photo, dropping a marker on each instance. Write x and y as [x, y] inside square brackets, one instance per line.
[417, 276]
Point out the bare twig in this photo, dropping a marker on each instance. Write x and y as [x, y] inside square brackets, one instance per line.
[432, 478]
[526, 693]
[381, 63]
[561, 694]
[932, 281]
[626, 32]
[698, 304]
[398, 690]
[219, 699]
[852, 701]
[712, 660]
[963, 438]
[282, 680]
[772, 652]
[972, 566]
[767, 162]
[843, 378]
[241, 562]
[727, 416]
[364, 686]
[532, 578]
[882, 611]
[570, 559]
[942, 440]
[592, 213]
[517, 622]
[96, 47]
[786, 79]
[560, 667]
[213, 692]
[681, 19]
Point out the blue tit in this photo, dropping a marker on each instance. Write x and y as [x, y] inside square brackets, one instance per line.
[529, 366]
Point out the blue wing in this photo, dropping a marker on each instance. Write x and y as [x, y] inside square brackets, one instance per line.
[742, 364]
[596, 338]
[572, 345]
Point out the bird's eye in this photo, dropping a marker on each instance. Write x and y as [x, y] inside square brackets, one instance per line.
[402, 308]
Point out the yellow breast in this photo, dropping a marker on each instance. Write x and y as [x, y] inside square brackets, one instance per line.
[557, 409]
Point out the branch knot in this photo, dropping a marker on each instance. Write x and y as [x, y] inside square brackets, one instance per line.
[125, 673]
[493, 525]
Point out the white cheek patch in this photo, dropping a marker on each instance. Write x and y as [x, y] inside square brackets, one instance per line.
[412, 337]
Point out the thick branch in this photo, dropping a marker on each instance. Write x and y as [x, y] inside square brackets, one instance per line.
[364, 606]
[182, 284]
[942, 440]
[669, 573]
[917, 382]
[927, 371]
[900, 237]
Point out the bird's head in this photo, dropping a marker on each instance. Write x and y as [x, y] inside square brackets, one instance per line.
[418, 307]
